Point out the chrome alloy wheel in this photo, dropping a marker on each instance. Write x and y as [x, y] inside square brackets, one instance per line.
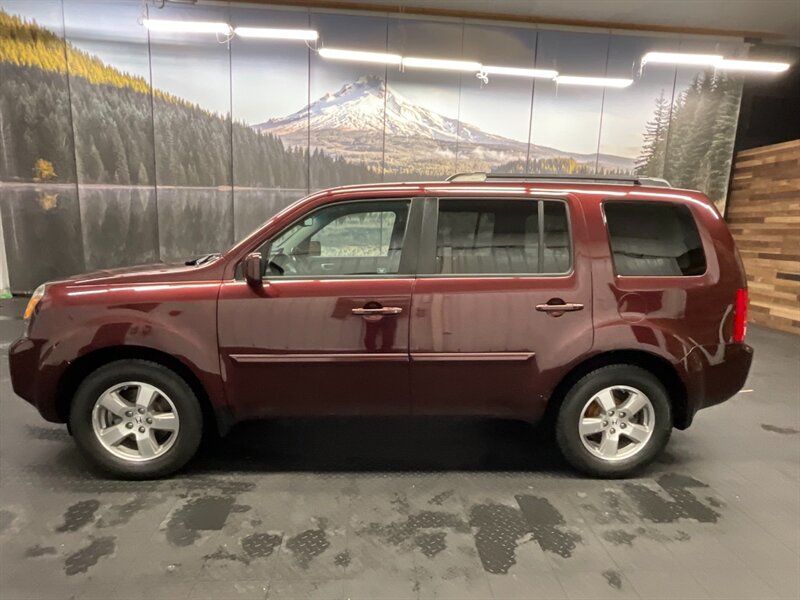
[135, 421]
[616, 423]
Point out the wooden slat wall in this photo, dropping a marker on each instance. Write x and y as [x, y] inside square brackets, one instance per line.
[764, 217]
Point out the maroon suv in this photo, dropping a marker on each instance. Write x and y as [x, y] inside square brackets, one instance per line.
[618, 308]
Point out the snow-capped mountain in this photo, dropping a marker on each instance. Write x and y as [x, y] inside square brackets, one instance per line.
[352, 123]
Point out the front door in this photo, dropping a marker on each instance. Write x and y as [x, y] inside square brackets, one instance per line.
[328, 332]
[500, 306]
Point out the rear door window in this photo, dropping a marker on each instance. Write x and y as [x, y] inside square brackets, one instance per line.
[502, 237]
[654, 239]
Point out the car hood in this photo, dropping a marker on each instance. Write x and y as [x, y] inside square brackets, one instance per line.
[151, 273]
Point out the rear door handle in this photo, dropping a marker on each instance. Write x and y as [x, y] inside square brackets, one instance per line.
[565, 307]
[383, 310]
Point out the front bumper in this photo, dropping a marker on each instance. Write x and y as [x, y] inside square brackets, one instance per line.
[715, 374]
[30, 380]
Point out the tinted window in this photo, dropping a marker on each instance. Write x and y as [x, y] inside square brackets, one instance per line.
[502, 237]
[354, 238]
[654, 238]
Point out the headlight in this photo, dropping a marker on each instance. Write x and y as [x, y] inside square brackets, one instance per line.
[33, 302]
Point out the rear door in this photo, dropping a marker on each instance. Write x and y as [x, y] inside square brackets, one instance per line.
[328, 332]
[502, 304]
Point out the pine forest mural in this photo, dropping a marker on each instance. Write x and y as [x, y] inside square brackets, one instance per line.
[147, 148]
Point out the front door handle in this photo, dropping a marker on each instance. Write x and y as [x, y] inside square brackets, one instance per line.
[559, 308]
[383, 310]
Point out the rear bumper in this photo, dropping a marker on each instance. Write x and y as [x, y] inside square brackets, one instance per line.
[714, 375]
[30, 381]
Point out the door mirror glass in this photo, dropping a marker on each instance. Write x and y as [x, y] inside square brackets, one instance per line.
[252, 268]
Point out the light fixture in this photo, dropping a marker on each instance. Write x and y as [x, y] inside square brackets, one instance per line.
[595, 81]
[441, 64]
[752, 65]
[360, 56]
[519, 72]
[268, 33]
[681, 58]
[186, 26]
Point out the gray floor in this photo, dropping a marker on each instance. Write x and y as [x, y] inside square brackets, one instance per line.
[413, 509]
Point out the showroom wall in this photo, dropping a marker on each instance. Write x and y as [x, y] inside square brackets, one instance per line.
[120, 146]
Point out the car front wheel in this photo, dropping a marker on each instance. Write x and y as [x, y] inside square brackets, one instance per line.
[136, 419]
[614, 421]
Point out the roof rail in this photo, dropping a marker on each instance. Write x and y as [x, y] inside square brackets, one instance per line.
[616, 179]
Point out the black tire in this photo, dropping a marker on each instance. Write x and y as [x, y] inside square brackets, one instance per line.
[569, 415]
[180, 393]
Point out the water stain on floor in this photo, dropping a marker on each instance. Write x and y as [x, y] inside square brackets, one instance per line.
[547, 525]
[431, 543]
[781, 430]
[206, 513]
[82, 560]
[39, 550]
[684, 504]
[613, 578]
[498, 528]
[261, 545]
[78, 515]
[342, 559]
[307, 545]
[121, 514]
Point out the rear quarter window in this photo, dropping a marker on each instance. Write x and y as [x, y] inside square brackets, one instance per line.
[654, 239]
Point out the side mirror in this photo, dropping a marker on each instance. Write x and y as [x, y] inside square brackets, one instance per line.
[314, 248]
[251, 267]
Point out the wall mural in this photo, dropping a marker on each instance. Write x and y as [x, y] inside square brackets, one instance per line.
[120, 145]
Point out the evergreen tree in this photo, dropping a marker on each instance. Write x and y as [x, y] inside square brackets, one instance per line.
[651, 159]
[141, 177]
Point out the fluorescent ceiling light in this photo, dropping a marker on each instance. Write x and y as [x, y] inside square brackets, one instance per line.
[519, 72]
[187, 26]
[442, 64]
[276, 34]
[753, 65]
[681, 58]
[596, 81]
[360, 56]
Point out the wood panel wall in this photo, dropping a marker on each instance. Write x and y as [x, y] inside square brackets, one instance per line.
[763, 213]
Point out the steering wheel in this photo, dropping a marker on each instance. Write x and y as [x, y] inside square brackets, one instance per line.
[284, 264]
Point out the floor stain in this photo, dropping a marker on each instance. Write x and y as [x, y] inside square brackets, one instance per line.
[306, 546]
[38, 550]
[781, 430]
[684, 505]
[83, 559]
[79, 514]
[398, 532]
[499, 528]
[431, 543]
[619, 537]
[206, 513]
[612, 509]
[439, 499]
[6, 519]
[223, 553]
[261, 545]
[546, 524]
[47, 434]
[342, 559]
[121, 514]
[613, 578]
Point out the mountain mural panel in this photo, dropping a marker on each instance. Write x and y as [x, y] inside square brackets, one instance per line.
[351, 124]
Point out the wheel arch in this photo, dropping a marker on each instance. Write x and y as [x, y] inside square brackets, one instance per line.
[214, 422]
[661, 368]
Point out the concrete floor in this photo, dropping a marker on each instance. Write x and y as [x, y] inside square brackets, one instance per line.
[405, 508]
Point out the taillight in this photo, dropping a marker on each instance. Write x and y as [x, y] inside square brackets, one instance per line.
[740, 316]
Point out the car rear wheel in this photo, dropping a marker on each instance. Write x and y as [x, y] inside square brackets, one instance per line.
[614, 421]
[136, 419]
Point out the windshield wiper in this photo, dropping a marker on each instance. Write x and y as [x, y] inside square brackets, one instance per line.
[203, 259]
